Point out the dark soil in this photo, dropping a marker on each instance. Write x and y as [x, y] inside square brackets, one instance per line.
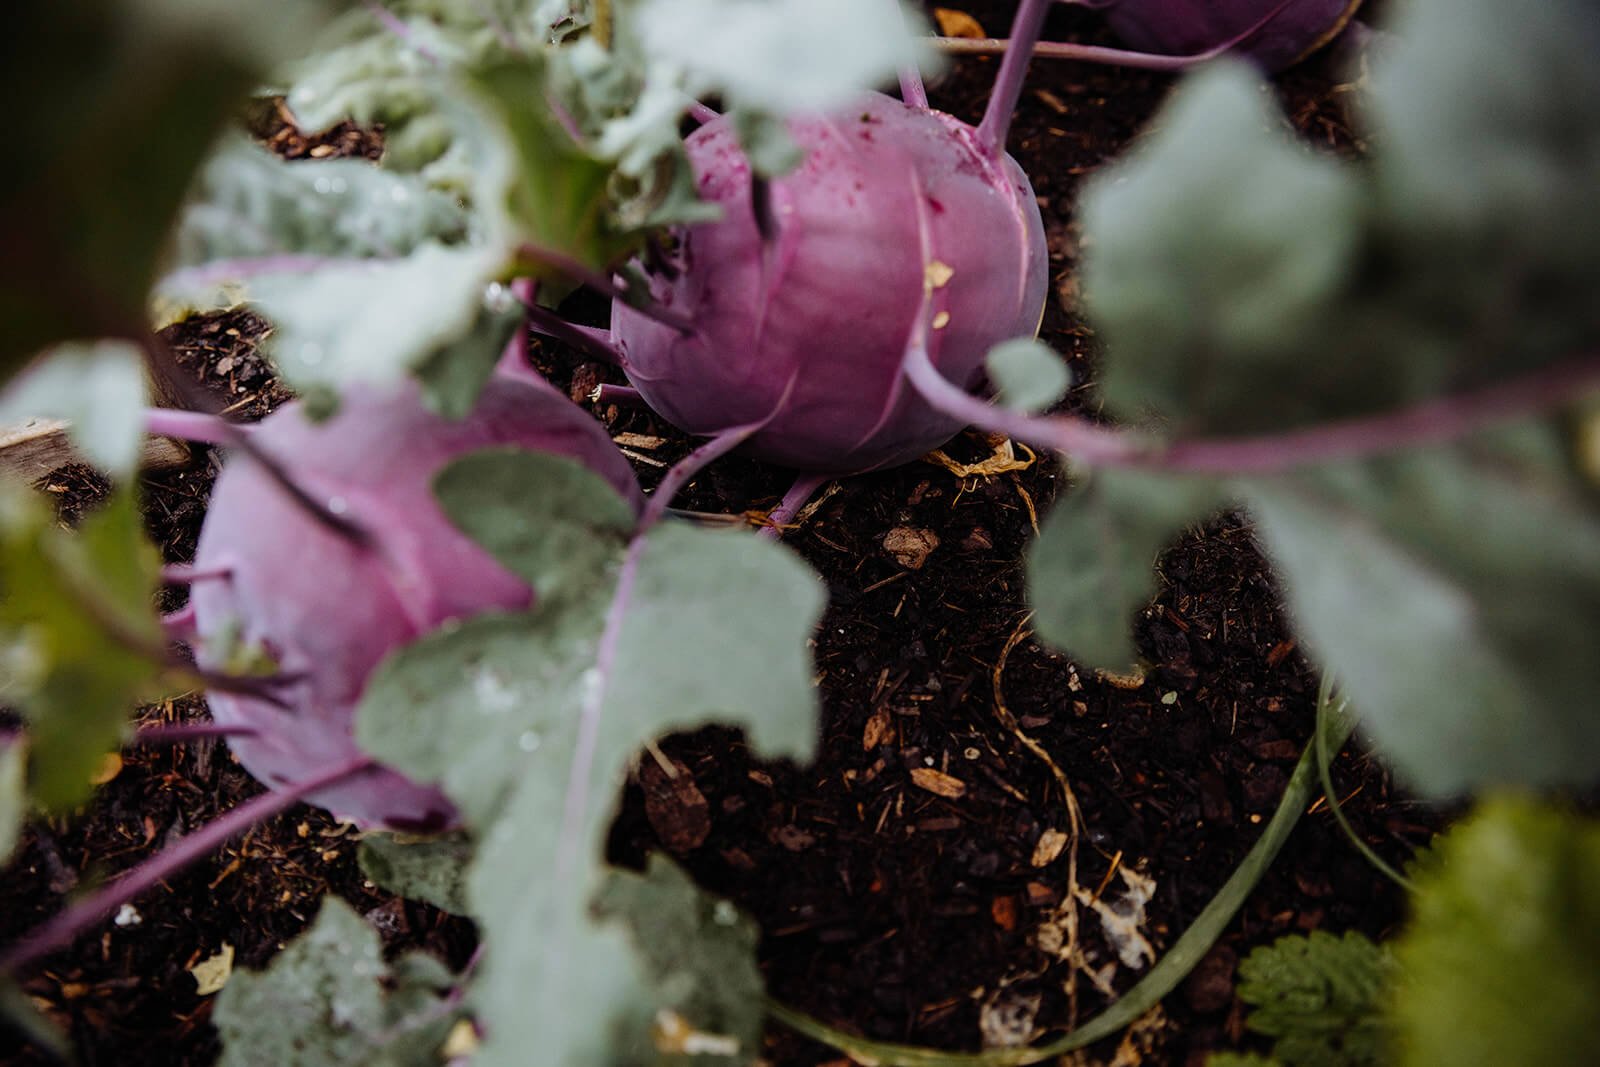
[908, 882]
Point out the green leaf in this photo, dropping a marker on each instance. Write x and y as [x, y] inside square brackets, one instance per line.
[1093, 563]
[99, 389]
[1241, 1059]
[431, 869]
[1217, 248]
[78, 629]
[123, 98]
[530, 722]
[13, 791]
[1498, 962]
[1455, 593]
[1321, 997]
[559, 199]
[584, 523]
[699, 955]
[1028, 375]
[329, 1000]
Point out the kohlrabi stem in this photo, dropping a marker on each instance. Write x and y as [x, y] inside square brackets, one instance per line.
[255, 686]
[702, 113]
[1080, 439]
[683, 471]
[1007, 89]
[912, 92]
[1085, 53]
[604, 285]
[188, 731]
[181, 625]
[804, 488]
[60, 931]
[624, 396]
[592, 342]
[193, 426]
[1435, 421]
[188, 574]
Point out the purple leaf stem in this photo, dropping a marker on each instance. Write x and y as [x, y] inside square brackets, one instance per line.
[603, 284]
[702, 113]
[78, 918]
[188, 574]
[991, 136]
[1431, 422]
[804, 488]
[194, 426]
[912, 92]
[592, 342]
[624, 396]
[575, 805]
[181, 625]
[189, 731]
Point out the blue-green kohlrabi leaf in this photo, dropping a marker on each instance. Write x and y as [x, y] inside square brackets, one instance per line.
[697, 626]
[1093, 564]
[1486, 170]
[1455, 594]
[1217, 248]
[123, 97]
[330, 1000]
[699, 955]
[1497, 965]
[98, 388]
[1245, 284]
[365, 274]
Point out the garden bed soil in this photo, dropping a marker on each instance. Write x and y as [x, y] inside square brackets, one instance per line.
[913, 884]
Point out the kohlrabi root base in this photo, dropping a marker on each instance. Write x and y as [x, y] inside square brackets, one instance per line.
[895, 213]
[327, 607]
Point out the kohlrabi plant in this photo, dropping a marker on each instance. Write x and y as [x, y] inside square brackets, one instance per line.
[890, 200]
[431, 594]
[324, 551]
